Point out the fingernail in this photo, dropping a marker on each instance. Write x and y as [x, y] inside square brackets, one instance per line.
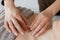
[36, 35]
[31, 29]
[16, 34]
[9, 31]
[22, 33]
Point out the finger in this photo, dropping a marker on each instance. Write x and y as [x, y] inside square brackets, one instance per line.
[37, 22]
[13, 28]
[7, 26]
[42, 30]
[24, 19]
[24, 26]
[25, 23]
[33, 22]
[22, 23]
[40, 26]
[16, 24]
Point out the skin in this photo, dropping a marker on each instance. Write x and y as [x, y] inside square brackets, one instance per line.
[42, 22]
[14, 20]
[38, 26]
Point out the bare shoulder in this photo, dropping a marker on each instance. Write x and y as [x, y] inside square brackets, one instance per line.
[56, 22]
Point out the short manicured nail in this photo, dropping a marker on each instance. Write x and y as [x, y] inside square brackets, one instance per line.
[31, 28]
[9, 31]
[22, 33]
[36, 35]
[16, 34]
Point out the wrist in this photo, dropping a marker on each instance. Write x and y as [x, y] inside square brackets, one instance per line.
[54, 8]
[9, 3]
[48, 14]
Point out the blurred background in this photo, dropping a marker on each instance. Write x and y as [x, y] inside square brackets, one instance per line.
[32, 5]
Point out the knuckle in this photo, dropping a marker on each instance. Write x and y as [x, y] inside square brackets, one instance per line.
[17, 14]
[47, 19]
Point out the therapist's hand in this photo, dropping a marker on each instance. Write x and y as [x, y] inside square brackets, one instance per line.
[41, 23]
[15, 21]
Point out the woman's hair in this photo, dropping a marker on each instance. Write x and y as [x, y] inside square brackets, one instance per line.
[2, 2]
